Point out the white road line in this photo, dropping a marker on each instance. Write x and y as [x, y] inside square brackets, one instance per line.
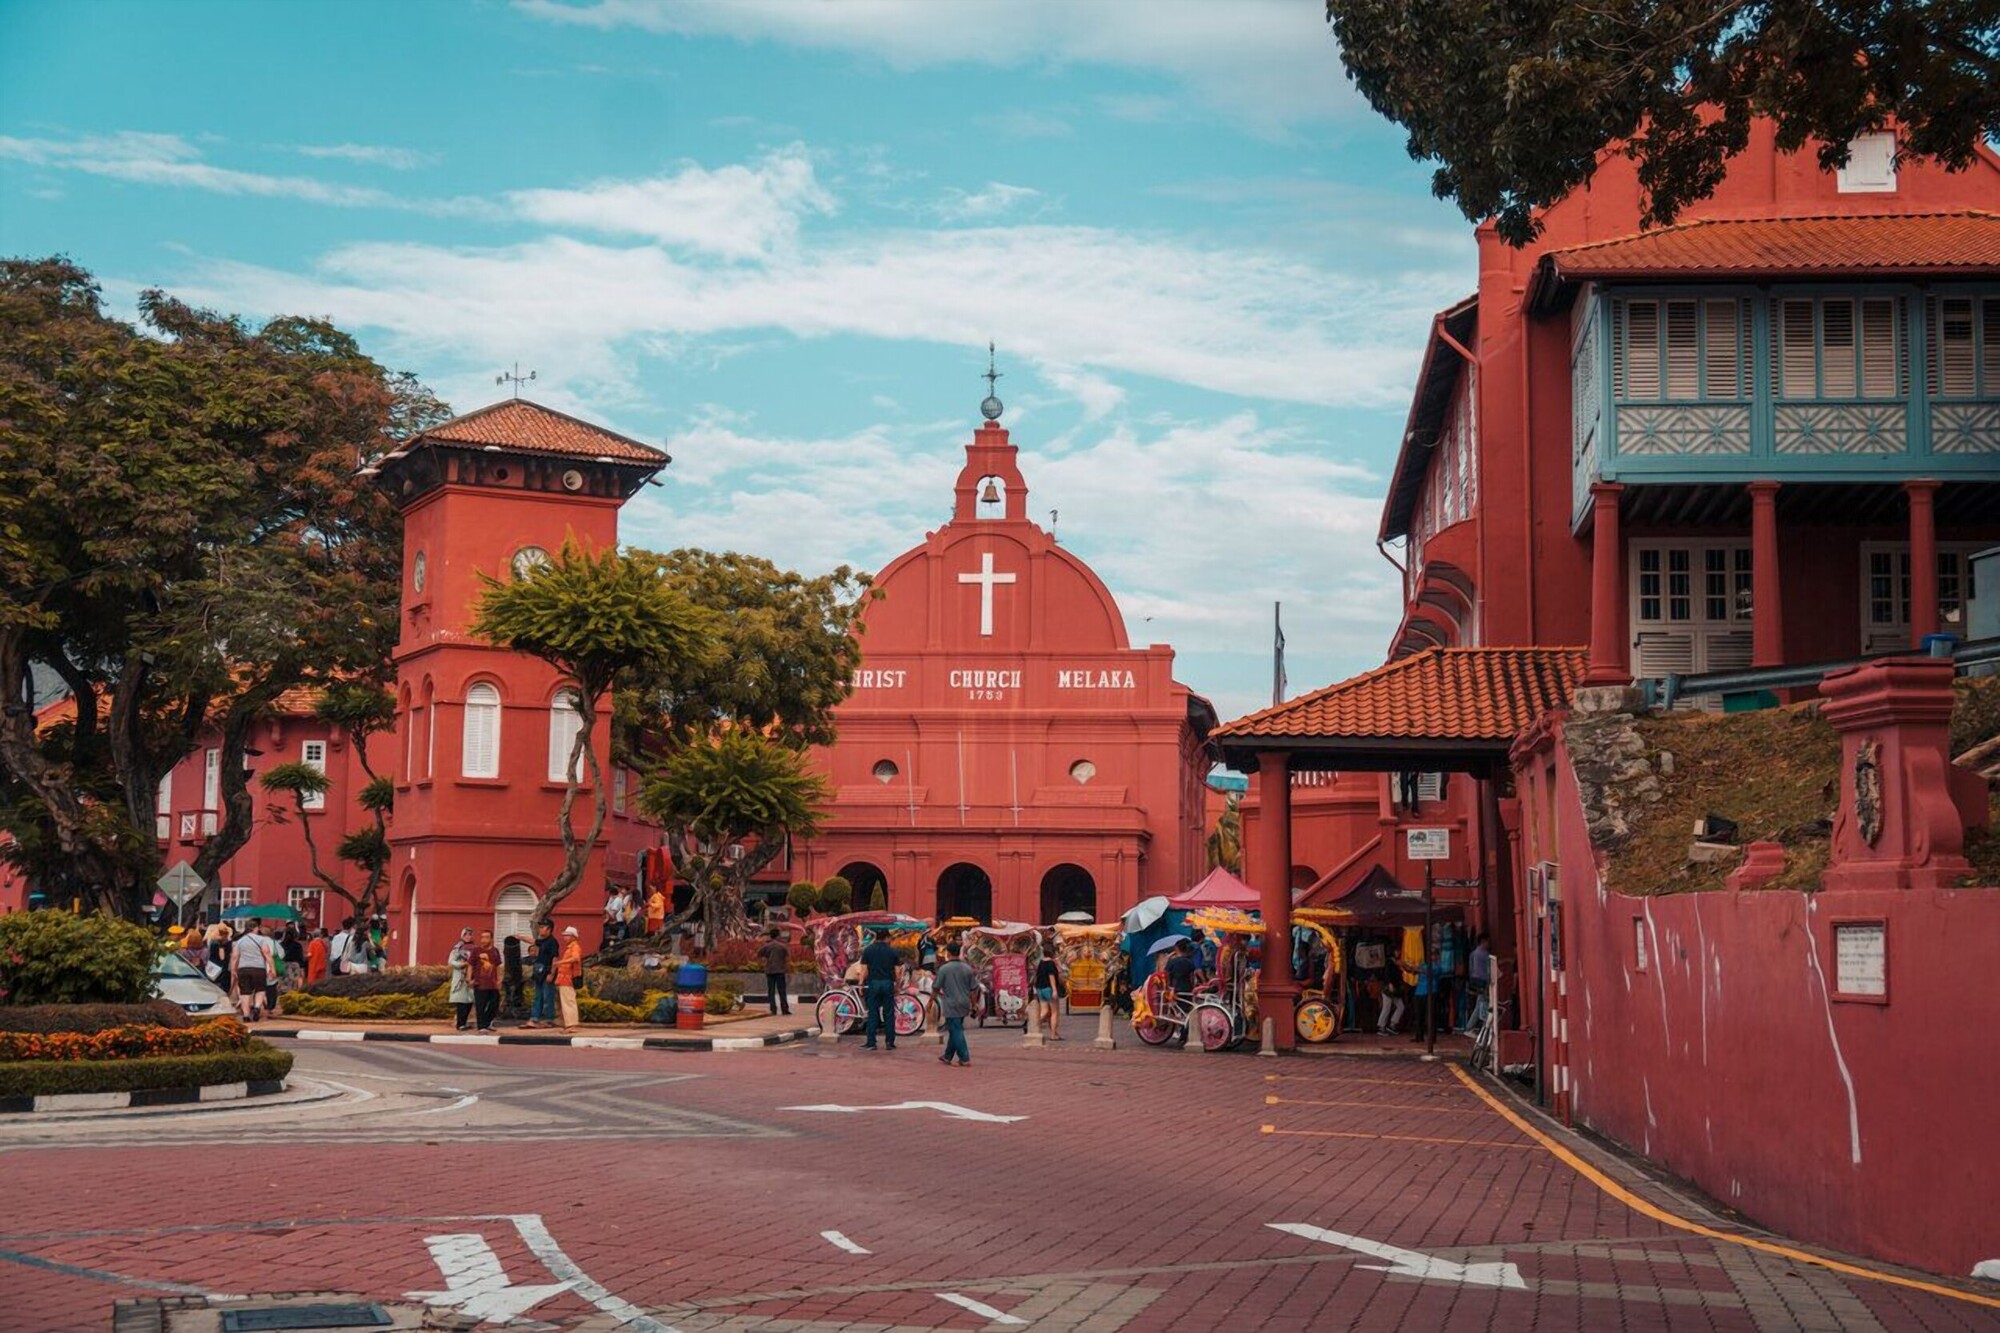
[843, 1242]
[543, 1245]
[458, 1105]
[328, 1034]
[980, 1308]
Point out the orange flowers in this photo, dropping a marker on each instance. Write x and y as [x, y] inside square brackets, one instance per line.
[214, 1037]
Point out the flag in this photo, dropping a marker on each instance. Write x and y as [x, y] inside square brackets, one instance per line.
[1278, 681]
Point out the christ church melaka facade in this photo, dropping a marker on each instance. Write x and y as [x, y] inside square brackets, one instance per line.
[1006, 753]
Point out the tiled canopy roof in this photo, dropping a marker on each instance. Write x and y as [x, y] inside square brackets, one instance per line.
[1882, 243]
[526, 427]
[1442, 694]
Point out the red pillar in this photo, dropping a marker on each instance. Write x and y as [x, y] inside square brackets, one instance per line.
[1610, 637]
[1923, 560]
[1767, 607]
[1271, 869]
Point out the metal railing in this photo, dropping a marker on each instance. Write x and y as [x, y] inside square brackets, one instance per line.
[1665, 691]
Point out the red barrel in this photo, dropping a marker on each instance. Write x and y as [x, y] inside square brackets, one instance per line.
[691, 991]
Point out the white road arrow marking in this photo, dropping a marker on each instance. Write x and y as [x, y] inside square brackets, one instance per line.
[1410, 1263]
[981, 1308]
[837, 1238]
[942, 1108]
[476, 1283]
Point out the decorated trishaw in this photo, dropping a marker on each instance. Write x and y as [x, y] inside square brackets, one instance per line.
[1087, 954]
[1003, 956]
[1321, 1006]
[1223, 1009]
[837, 945]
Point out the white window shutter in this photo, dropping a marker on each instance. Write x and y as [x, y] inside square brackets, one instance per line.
[481, 752]
[564, 726]
[1665, 653]
[313, 755]
[1683, 350]
[1642, 349]
[1881, 351]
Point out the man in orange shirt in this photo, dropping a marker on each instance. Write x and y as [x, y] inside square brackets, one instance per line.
[656, 912]
[569, 971]
[316, 956]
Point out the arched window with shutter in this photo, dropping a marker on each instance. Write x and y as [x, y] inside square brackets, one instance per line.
[512, 912]
[481, 754]
[565, 723]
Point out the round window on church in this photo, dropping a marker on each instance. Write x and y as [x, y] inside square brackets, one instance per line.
[1083, 770]
[884, 770]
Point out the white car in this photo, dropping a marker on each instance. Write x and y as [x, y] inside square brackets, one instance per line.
[174, 980]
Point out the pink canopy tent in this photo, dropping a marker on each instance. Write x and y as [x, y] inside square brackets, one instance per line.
[1219, 889]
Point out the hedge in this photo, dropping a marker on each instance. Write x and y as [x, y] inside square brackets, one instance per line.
[93, 1017]
[396, 981]
[133, 1041]
[434, 1003]
[44, 1078]
[54, 957]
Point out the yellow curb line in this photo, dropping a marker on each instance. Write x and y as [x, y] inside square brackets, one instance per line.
[1661, 1215]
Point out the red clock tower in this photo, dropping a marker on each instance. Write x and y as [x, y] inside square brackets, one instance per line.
[480, 743]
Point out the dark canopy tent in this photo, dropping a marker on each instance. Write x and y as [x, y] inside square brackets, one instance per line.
[1378, 898]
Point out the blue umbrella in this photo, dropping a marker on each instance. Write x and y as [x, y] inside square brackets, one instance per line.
[262, 911]
[1169, 942]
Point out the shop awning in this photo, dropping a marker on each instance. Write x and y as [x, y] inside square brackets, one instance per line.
[1377, 898]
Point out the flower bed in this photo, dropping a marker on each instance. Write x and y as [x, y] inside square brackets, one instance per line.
[257, 1063]
[93, 1017]
[129, 1042]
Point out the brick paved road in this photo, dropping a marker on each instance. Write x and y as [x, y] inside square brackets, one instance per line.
[675, 1192]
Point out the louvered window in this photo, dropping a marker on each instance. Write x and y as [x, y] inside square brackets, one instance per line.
[1837, 359]
[480, 756]
[565, 724]
[1680, 350]
[1683, 349]
[1881, 350]
[1965, 347]
[1641, 350]
[1796, 378]
[1722, 357]
[1838, 347]
[313, 755]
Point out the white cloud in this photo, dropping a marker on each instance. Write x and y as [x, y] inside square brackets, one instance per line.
[983, 205]
[396, 159]
[1099, 300]
[168, 159]
[1268, 64]
[1096, 394]
[734, 212]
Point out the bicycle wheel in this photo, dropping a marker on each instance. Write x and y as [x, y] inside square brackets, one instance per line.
[1315, 1021]
[838, 1012]
[1213, 1024]
[909, 1013]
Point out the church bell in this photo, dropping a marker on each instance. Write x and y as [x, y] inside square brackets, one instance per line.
[991, 495]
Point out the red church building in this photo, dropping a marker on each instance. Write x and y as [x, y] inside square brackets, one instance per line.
[1006, 752]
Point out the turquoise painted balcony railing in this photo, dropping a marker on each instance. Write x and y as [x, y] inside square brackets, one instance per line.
[1678, 385]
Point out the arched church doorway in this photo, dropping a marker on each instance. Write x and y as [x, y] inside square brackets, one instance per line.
[1068, 888]
[866, 876]
[964, 890]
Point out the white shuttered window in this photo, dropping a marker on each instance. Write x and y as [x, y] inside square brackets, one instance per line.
[313, 755]
[565, 723]
[481, 752]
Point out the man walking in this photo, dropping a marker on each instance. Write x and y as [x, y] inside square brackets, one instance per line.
[569, 971]
[336, 948]
[486, 960]
[955, 984]
[252, 958]
[544, 972]
[883, 966]
[777, 971]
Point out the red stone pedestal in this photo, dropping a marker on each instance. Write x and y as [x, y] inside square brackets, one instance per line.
[1903, 808]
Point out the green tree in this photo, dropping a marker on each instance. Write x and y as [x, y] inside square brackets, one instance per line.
[596, 617]
[55, 957]
[1225, 840]
[359, 711]
[878, 899]
[1517, 101]
[802, 898]
[738, 797]
[782, 657]
[836, 895]
[183, 538]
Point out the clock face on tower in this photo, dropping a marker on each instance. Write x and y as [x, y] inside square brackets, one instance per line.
[417, 571]
[529, 559]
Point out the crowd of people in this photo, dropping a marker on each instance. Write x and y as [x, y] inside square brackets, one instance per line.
[258, 962]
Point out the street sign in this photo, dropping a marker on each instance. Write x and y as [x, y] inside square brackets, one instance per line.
[1455, 883]
[1427, 844]
[181, 885]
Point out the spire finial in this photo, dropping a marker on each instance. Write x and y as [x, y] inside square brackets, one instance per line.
[992, 407]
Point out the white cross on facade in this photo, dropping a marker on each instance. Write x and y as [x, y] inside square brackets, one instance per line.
[986, 578]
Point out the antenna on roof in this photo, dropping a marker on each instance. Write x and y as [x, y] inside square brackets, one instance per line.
[517, 379]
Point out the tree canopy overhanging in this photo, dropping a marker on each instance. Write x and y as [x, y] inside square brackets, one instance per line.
[1516, 101]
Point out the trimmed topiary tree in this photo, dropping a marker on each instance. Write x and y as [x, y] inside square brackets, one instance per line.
[802, 898]
[878, 899]
[55, 957]
[836, 895]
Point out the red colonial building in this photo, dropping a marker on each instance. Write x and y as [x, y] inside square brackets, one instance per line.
[1006, 752]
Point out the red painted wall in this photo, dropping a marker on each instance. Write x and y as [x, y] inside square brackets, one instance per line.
[1864, 1126]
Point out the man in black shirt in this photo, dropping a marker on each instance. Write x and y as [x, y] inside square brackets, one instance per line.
[883, 965]
[1183, 975]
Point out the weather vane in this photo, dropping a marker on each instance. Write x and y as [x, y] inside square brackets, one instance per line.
[992, 407]
[517, 379]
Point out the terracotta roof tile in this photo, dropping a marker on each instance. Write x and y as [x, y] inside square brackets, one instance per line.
[527, 427]
[1905, 243]
[1469, 694]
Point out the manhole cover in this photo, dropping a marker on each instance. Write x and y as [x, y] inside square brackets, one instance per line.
[287, 1318]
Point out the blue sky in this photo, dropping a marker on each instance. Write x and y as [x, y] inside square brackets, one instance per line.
[775, 236]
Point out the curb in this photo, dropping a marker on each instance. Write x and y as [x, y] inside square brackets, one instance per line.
[119, 1101]
[514, 1039]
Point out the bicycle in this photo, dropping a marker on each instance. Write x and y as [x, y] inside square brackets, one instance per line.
[843, 1011]
[1486, 1040]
